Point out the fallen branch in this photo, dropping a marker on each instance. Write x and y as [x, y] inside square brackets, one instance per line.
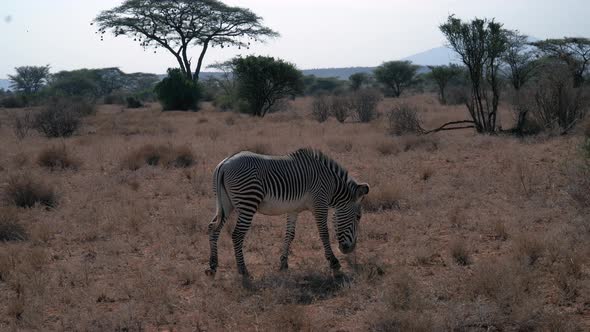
[452, 123]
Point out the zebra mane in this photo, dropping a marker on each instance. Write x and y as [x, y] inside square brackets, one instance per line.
[330, 163]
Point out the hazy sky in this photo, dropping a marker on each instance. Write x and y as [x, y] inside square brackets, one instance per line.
[314, 33]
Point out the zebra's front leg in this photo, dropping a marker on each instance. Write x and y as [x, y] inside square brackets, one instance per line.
[321, 215]
[242, 227]
[289, 236]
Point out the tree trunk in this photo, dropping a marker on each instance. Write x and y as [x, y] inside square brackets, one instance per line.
[200, 62]
[187, 63]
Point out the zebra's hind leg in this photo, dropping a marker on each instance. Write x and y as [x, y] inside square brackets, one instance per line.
[214, 231]
[242, 227]
[289, 235]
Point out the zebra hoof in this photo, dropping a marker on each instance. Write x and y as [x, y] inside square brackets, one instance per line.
[284, 266]
[210, 272]
[335, 265]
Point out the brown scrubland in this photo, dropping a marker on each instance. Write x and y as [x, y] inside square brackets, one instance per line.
[106, 230]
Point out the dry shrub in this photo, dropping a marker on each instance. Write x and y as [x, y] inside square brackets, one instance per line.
[500, 231]
[404, 119]
[402, 321]
[402, 293]
[460, 252]
[187, 276]
[567, 283]
[340, 107]
[524, 177]
[26, 191]
[426, 173]
[57, 157]
[364, 103]
[200, 181]
[10, 229]
[182, 157]
[382, 198]
[528, 248]
[16, 308]
[289, 317]
[457, 217]
[320, 108]
[387, 147]
[230, 120]
[503, 282]
[555, 102]
[369, 270]
[20, 160]
[426, 143]
[23, 125]
[61, 117]
[159, 155]
[579, 174]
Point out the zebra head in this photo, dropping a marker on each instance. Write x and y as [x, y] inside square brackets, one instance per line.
[347, 217]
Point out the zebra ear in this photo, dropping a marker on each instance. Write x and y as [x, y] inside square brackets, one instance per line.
[361, 190]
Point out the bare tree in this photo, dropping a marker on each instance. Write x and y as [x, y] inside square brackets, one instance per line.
[177, 25]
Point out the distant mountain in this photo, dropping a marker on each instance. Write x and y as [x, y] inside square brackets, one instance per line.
[340, 73]
[435, 57]
[4, 84]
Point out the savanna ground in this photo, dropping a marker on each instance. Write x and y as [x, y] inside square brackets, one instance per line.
[461, 231]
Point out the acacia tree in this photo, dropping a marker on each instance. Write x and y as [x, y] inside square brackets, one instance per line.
[520, 59]
[357, 80]
[480, 44]
[521, 63]
[442, 75]
[178, 25]
[262, 81]
[225, 79]
[574, 52]
[29, 79]
[396, 75]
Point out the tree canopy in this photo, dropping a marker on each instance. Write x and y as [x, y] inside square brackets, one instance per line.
[178, 25]
[29, 79]
[357, 80]
[442, 75]
[480, 43]
[520, 58]
[262, 81]
[396, 75]
[575, 52]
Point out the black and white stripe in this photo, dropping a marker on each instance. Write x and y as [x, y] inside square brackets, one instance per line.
[304, 180]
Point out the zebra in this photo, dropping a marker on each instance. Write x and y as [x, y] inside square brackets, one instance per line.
[305, 180]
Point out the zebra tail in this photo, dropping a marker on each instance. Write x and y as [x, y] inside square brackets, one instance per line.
[222, 198]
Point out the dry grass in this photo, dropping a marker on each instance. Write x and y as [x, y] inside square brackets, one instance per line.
[159, 155]
[387, 147]
[10, 229]
[460, 252]
[528, 248]
[383, 198]
[57, 158]
[126, 250]
[425, 143]
[25, 191]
